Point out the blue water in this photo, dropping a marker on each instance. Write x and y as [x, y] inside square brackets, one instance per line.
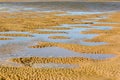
[55, 65]
[73, 34]
[54, 52]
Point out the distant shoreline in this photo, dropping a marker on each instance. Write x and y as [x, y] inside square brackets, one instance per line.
[59, 0]
[61, 6]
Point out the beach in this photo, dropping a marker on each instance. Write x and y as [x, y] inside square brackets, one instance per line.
[59, 40]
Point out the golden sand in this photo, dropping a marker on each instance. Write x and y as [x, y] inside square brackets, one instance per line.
[56, 28]
[102, 70]
[24, 23]
[16, 35]
[32, 60]
[88, 70]
[111, 36]
[59, 37]
[32, 21]
[49, 32]
[5, 38]
[106, 49]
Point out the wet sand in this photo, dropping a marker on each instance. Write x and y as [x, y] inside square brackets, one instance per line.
[77, 41]
[61, 6]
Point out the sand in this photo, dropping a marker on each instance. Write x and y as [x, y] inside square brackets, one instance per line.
[28, 24]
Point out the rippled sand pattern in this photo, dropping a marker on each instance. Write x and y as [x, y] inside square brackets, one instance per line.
[58, 45]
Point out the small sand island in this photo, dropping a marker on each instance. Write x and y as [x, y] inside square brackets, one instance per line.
[59, 40]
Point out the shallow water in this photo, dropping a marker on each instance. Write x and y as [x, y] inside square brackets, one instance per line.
[106, 23]
[75, 37]
[9, 63]
[48, 52]
[60, 6]
[74, 33]
[14, 40]
[79, 13]
[53, 52]
[88, 43]
[54, 65]
[14, 32]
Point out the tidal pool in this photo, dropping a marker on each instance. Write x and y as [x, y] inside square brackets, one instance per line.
[54, 65]
[80, 13]
[48, 52]
[106, 22]
[74, 34]
[53, 52]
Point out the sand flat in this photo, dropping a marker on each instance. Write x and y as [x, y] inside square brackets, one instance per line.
[91, 52]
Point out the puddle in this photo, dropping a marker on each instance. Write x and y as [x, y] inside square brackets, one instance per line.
[73, 25]
[14, 32]
[102, 27]
[14, 40]
[70, 13]
[79, 13]
[23, 51]
[53, 52]
[73, 33]
[106, 23]
[48, 52]
[10, 64]
[94, 19]
[92, 43]
[75, 37]
[54, 65]
[81, 42]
